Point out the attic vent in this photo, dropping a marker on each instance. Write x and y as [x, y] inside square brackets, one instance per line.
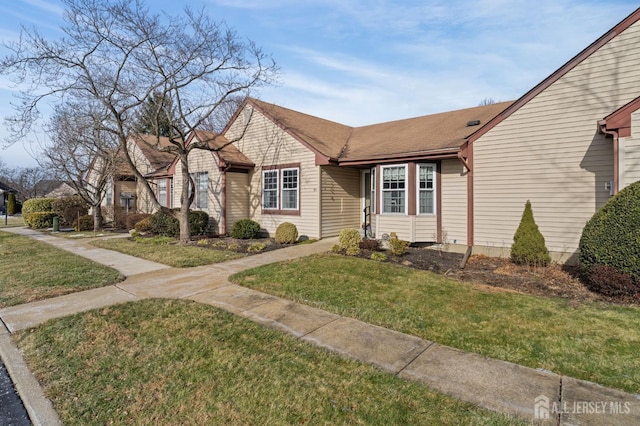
[473, 123]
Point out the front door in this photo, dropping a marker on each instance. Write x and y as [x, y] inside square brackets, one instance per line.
[368, 202]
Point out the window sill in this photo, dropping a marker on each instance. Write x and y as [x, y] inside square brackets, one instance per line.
[281, 212]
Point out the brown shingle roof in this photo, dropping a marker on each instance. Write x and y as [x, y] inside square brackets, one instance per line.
[227, 151]
[326, 137]
[148, 143]
[420, 135]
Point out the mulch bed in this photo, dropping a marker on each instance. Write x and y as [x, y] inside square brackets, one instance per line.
[501, 274]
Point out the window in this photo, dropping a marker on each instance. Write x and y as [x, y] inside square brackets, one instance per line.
[109, 194]
[426, 191]
[394, 189]
[162, 192]
[281, 189]
[270, 189]
[290, 189]
[171, 195]
[201, 181]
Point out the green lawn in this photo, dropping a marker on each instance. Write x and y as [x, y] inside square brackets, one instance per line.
[168, 252]
[178, 362]
[12, 221]
[596, 342]
[32, 270]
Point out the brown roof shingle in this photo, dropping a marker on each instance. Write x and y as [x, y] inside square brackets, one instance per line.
[420, 135]
[227, 151]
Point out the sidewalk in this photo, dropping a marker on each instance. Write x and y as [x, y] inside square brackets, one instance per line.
[489, 383]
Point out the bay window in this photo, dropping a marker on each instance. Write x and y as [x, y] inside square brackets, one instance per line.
[426, 188]
[394, 189]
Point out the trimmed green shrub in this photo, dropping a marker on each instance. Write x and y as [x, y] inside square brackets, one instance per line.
[134, 218]
[349, 241]
[12, 205]
[528, 243]
[36, 205]
[69, 209]
[84, 223]
[612, 236]
[245, 229]
[286, 233]
[198, 222]
[143, 225]
[379, 256]
[335, 248]
[233, 247]
[164, 224]
[40, 220]
[398, 247]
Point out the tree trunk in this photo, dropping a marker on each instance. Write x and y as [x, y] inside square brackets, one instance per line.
[97, 218]
[185, 200]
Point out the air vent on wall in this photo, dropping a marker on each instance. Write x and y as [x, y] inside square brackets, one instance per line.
[473, 123]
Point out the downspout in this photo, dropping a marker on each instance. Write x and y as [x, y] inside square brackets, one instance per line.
[616, 146]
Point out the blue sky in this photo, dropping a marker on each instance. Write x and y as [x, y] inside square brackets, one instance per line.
[360, 62]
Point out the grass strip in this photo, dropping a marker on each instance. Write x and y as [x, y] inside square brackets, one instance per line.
[592, 341]
[33, 270]
[166, 362]
[170, 254]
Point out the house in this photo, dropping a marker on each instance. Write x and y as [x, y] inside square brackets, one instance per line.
[5, 190]
[52, 188]
[461, 178]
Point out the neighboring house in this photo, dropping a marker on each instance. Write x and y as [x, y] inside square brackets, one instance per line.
[221, 179]
[461, 177]
[5, 189]
[51, 188]
[64, 189]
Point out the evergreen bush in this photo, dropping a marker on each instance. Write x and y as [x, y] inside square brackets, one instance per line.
[528, 243]
[144, 225]
[83, 223]
[40, 220]
[12, 205]
[245, 229]
[165, 224]
[398, 247]
[198, 222]
[37, 205]
[134, 218]
[286, 233]
[349, 241]
[612, 237]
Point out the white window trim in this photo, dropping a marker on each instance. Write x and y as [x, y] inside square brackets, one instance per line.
[282, 189]
[435, 193]
[406, 193]
[162, 183]
[277, 173]
[372, 178]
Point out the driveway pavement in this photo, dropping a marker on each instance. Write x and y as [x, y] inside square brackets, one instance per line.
[536, 395]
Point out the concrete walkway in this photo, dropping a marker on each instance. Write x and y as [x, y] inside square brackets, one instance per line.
[532, 394]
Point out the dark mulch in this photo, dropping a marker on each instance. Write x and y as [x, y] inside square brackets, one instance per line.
[501, 274]
[238, 245]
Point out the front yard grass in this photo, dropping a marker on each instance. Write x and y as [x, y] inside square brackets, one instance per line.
[32, 270]
[591, 341]
[167, 253]
[179, 362]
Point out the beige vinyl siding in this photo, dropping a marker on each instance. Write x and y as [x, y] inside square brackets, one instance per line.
[237, 198]
[631, 159]
[266, 144]
[549, 151]
[203, 161]
[454, 202]
[401, 224]
[425, 228]
[340, 200]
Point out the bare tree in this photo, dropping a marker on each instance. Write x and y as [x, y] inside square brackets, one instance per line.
[82, 152]
[486, 101]
[118, 54]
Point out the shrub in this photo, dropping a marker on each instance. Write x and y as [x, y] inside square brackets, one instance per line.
[12, 205]
[84, 223]
[245, 229]
[609, 281]
[69, 209]
[612, 236]
[373, 245]
[335, 248]
[398, 247]
[256, 247]
[286, 233]
[156, 241]
[349, 241]
[528, 243]
[198, 222]
[164, 224]
[40, 220]
[36, 205]
[203, 242]
[219, 244]
[379, 256]
[233, 247]
[143, 225]
[134, 218]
